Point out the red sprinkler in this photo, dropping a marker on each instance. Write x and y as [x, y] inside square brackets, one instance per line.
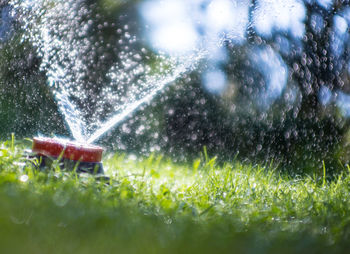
[71, 155]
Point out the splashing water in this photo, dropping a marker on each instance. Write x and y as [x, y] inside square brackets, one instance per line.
[94, 98]
[127, 109]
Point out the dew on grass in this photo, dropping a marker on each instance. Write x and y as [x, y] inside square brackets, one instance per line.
[23, 178]
[61, 198]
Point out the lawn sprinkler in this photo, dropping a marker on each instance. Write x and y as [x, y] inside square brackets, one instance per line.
[71, 155]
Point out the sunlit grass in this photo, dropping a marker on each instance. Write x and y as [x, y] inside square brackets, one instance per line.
[153, 205]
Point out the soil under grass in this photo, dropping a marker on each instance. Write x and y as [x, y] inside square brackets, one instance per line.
[156, 206]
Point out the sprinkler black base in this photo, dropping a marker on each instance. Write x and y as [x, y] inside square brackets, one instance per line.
[46, 162]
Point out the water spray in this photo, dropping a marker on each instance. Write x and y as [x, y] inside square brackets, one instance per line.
[65, 56]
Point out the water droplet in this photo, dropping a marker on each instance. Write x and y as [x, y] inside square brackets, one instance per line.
[24, 178]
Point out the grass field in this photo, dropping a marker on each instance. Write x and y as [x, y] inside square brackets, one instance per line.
[153, 205]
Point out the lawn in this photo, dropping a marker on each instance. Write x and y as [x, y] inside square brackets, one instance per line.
[153, 205]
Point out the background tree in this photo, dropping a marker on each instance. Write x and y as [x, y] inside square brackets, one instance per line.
[301, 133]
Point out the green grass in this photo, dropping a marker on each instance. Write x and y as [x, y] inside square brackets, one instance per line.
[156, 206]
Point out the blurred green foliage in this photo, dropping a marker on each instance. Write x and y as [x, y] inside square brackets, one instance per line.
[27, 106]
